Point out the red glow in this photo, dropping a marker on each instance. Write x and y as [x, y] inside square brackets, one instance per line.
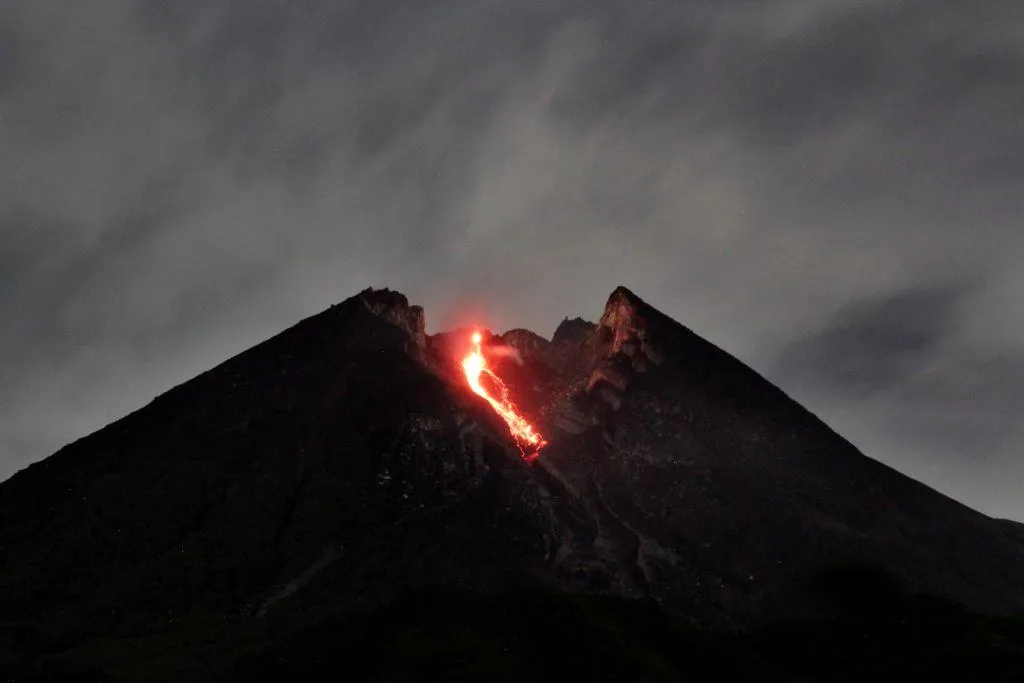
[475, 366]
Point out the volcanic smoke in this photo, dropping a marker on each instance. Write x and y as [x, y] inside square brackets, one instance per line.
[475, 365]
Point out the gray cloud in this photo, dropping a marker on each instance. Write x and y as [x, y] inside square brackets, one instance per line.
[876, 345]
[897, 373]
[798, 181]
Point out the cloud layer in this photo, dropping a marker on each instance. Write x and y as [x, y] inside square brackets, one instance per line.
[829, 190]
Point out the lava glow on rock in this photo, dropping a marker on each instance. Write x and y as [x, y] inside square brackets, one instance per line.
[474, 364]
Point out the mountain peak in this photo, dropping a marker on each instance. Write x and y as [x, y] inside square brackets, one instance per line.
[622, 297]
[346, 460]
[573, 331]
[623, 292]
[394, 307]
[624, 322]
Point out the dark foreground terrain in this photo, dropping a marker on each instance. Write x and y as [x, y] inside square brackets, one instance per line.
[457, 635]
[336, 502]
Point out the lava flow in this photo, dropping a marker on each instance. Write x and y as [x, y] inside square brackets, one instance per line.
[475, 365]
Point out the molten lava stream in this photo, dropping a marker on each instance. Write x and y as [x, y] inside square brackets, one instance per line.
[474, 364]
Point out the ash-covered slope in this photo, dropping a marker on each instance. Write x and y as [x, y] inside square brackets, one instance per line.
[738, 500]
[344, 461]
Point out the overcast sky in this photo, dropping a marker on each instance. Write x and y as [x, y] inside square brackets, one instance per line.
[832, 191]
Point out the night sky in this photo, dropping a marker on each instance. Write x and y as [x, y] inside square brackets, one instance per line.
[831, 191]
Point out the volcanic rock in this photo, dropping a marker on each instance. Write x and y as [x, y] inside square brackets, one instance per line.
[575, 331]
[394, 307]
[344, 461]
[527, 343]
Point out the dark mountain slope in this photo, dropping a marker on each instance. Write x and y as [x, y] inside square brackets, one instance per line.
[327, 445]
[344, 462]
[716, 470]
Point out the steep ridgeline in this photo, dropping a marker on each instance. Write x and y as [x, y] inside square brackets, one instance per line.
[344, 461]
[730, 499]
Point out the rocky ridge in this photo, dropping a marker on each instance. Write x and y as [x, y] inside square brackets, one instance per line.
[708, 489]
[345, 461]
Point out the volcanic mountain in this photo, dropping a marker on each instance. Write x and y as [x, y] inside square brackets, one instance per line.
[345, 462]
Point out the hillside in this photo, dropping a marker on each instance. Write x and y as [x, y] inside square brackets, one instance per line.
[344, 465]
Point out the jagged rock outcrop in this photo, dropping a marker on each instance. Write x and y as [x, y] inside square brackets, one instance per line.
[394, 307]
[525, 342]
[573, 332]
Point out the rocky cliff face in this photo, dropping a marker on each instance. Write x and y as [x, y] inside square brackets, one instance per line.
[345, 461]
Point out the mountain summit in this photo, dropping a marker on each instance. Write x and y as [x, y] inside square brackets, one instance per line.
[344, 462]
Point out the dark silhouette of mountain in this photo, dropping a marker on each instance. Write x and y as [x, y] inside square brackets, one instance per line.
[344, 464]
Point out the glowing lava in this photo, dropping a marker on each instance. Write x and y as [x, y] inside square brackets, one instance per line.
[475, 365]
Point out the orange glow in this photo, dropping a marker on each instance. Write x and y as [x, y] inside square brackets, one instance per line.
[475, 365]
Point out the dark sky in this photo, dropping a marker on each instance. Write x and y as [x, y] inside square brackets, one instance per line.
[832, 191]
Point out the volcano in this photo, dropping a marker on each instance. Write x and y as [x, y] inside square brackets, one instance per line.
[347, 462]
